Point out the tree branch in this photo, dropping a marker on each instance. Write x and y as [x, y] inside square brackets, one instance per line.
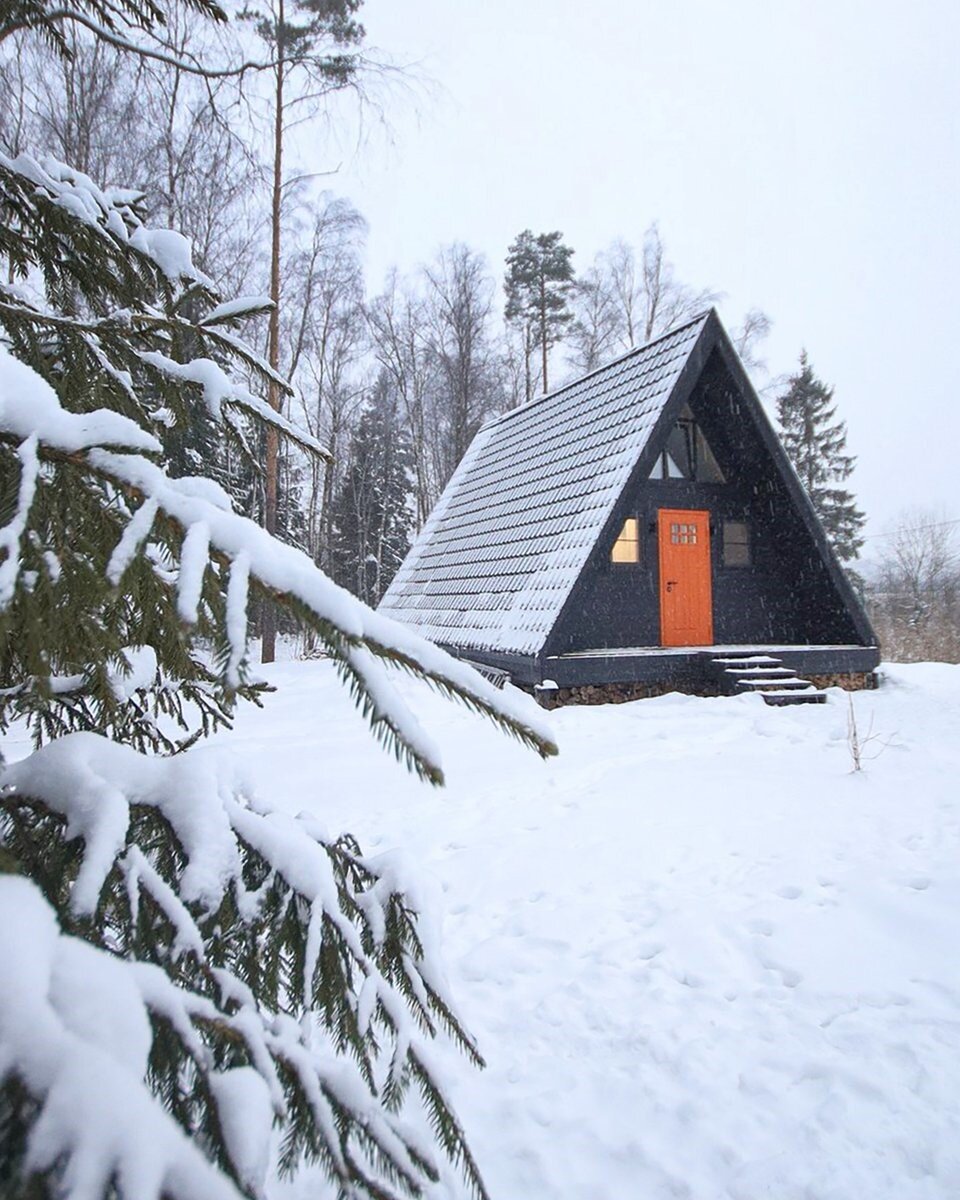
[188, 64]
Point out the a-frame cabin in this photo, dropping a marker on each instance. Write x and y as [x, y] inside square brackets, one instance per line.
[637, 531]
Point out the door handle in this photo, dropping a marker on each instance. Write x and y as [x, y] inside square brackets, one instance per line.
[671, 584]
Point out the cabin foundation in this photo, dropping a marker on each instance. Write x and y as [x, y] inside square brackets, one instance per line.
[623, 693]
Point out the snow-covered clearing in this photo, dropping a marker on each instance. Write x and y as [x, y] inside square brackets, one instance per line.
[702, 958]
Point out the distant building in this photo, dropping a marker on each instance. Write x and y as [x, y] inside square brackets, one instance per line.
[638, 531]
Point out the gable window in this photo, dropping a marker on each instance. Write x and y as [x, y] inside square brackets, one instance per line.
[687, 454]
[626, 549]
[736, 544]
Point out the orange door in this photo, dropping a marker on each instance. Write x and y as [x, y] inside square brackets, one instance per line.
[686, 601]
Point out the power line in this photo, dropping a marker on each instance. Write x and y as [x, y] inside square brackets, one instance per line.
[911, 529]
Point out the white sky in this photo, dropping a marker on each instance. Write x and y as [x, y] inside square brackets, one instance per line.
[799, 156]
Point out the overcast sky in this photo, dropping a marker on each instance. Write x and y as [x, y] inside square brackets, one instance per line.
[800, 157]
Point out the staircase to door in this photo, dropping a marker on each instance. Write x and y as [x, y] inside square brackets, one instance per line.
[777, 684]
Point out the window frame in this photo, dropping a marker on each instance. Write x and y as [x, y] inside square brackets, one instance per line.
[635, 541]
[697, 455]
[746, 543]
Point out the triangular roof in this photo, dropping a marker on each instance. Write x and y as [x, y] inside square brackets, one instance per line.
[496, 562]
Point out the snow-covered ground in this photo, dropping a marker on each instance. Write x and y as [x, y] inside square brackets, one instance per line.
[702, 958]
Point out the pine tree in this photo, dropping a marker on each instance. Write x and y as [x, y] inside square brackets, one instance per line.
[372, 512]
[816, 440]
[186, 974]
[538, 285]
[314, 40]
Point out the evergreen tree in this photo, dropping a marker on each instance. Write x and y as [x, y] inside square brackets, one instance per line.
[373, 511]
[816, 441]
[186, 974]
[314, 41]
[538, 285]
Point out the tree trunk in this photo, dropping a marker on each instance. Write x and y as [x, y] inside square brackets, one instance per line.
[543, 330]
[268, 624]
[528, 374]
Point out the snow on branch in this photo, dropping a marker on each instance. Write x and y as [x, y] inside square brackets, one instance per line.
[30, 407]
[74, 1032]
[235, 310]
[345, 624]
[13, 531]
[111, 219]
[194, 881]
[339, 617]
[108, 212]
[219, 389]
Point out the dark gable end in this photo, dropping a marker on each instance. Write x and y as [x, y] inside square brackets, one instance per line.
[802, 505]
[825, 585]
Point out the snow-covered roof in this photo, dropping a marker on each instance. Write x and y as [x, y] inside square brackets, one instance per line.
[512, 531]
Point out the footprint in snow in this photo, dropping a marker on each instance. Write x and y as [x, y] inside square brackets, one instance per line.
[687, 978]
[789, 892]
[761, 927]
[788, 977]
[919, 883]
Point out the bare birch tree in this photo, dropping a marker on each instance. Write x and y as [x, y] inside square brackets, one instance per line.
[625, 300]
[460, 311]
[914, 601]
[595, 335]
[398, 326]
[311, 47]
[328, 341]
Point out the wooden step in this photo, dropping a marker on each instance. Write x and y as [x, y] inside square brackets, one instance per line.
[747, 673]
[809, 695]
[743, 674]
[749, 660]
[780, 683]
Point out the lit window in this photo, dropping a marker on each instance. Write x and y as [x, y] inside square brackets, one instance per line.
[736, 544]
[626, 549]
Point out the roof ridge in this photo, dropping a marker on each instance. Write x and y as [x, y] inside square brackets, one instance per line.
[524, 408]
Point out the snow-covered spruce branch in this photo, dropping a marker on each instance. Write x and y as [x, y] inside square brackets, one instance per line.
[355, 636]
[45, 188]
[206, 896]
[125, 320]
[71, 1092]
[218, 389]
[52, 706]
